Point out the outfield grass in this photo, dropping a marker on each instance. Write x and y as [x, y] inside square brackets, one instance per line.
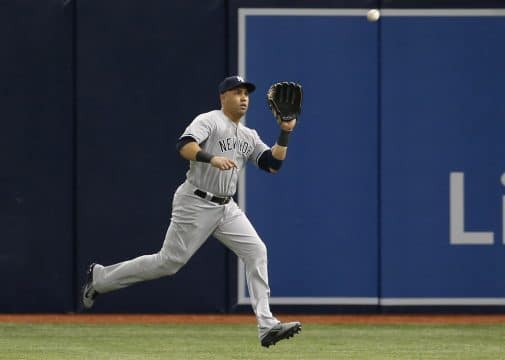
[76, 341]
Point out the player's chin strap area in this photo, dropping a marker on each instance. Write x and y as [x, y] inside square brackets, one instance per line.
[211, 197]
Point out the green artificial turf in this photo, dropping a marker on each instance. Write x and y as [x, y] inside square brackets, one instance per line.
[149, 341]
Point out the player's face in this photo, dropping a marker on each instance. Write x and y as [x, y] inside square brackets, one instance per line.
[235, 102]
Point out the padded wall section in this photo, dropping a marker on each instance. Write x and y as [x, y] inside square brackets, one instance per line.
[36, 157]
[145, 70]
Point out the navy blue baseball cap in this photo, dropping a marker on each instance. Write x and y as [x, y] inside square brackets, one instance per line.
[233, 82]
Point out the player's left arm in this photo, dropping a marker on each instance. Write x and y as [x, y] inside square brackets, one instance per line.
[271, 161]
[280, 149]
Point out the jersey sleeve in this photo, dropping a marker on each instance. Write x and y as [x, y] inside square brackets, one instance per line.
[259, 148]
[199, 129]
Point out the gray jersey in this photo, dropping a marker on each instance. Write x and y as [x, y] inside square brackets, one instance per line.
[218, 135]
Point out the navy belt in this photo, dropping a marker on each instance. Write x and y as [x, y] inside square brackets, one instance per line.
[214, 199]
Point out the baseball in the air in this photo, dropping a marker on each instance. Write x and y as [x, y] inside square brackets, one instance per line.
[373, 15]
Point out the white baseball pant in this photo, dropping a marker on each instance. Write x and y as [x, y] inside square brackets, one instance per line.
[193, 220]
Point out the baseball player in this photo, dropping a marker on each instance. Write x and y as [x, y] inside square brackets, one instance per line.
[217, 146]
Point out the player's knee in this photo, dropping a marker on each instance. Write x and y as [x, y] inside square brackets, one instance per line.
[168, 266]
[261, 251]
[257, 254]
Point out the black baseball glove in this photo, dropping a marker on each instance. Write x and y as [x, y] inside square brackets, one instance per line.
[285, 100]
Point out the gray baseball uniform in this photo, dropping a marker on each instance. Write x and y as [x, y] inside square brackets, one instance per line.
[195, 218]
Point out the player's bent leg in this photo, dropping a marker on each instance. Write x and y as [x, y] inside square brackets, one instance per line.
[193, 220]
[178, 247]
[127, 273]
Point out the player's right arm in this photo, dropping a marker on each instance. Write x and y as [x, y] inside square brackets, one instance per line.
[190, 150]
[197, 132]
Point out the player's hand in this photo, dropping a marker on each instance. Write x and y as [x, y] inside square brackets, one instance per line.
[222, 163]
[288, 125]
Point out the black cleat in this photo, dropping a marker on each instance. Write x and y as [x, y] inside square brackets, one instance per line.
[88, 292]
[279, 332]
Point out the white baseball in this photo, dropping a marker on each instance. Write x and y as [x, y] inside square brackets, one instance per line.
[373, 15]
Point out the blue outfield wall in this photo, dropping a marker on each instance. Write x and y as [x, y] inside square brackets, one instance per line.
[393, 192]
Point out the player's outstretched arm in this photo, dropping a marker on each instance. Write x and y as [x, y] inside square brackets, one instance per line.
[280, 149]
[192, 151]
[271, 160]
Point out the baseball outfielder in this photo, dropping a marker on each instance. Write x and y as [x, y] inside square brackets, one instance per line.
[217, 146]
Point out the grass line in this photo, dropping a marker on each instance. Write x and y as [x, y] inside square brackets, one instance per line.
[233, 341]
